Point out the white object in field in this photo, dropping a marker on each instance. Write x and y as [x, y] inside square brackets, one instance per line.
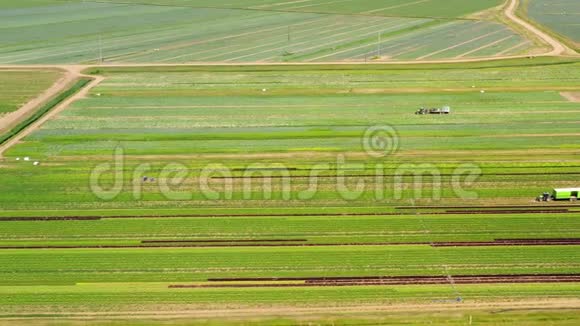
[18, 158]
[98, 94]
[36, 163]
[27, 158]
[472, 86]
[482, 91]
[263, 89]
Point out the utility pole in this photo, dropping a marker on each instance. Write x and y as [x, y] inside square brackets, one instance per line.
[379, 45]
[100, 49]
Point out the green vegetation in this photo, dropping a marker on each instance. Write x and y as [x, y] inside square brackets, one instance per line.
[560, 16]
[44, 109]
[20, 86]
[195, 116]
[328, 230]
[170, 32]
[521, 317]
[433, 8]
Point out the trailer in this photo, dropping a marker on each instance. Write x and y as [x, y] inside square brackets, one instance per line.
[570, 194]
[443, 110]
[565, 194]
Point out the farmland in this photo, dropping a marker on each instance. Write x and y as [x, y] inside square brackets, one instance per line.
[63, 247]
[558, 15]
[264, 162]
[90, 32]
[19, 87]
[429, 8]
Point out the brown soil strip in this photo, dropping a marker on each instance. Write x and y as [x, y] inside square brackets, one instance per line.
[512, 242]
[224, 241]
[571, 96]
[50, 218]
[373, 175]
[358, 278]
[531, 210]
[515, 211]
[484, 207]
[388, 280]
[284, 243]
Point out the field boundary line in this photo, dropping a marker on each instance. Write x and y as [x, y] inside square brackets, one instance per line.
[314, 21]
[393, 7]
[517, 46]
[278, 4]
[316, 4]
[402, 26]
[485, 46]
[459, 44]
[277, 10]
[332, 36]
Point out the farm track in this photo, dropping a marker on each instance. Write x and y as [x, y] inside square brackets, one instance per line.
[9, 120]
[73, 73]
[153, 244]
[531, 210]
[385, 280]
[558, 48]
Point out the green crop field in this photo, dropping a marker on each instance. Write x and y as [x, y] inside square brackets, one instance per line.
[296, 162]
[20, 86]
[561, 16]
[173, 244]
[196, 31]
[428, 8]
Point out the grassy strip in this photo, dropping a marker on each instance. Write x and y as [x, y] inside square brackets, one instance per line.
[44, 109]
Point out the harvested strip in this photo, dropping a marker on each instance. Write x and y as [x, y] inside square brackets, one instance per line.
[448, 212]
[505, 211]
[387, 280]
[375, 175]
[222, 241]
[511, 242]
[284, 243]
[480, 207]
[51, 218]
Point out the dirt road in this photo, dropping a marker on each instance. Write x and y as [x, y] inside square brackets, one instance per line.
[73, 74]
[557, 47]
[9, 120]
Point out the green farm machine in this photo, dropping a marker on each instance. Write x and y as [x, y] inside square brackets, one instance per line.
[570, 194]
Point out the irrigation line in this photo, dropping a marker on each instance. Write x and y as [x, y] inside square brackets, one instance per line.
[458, 296]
